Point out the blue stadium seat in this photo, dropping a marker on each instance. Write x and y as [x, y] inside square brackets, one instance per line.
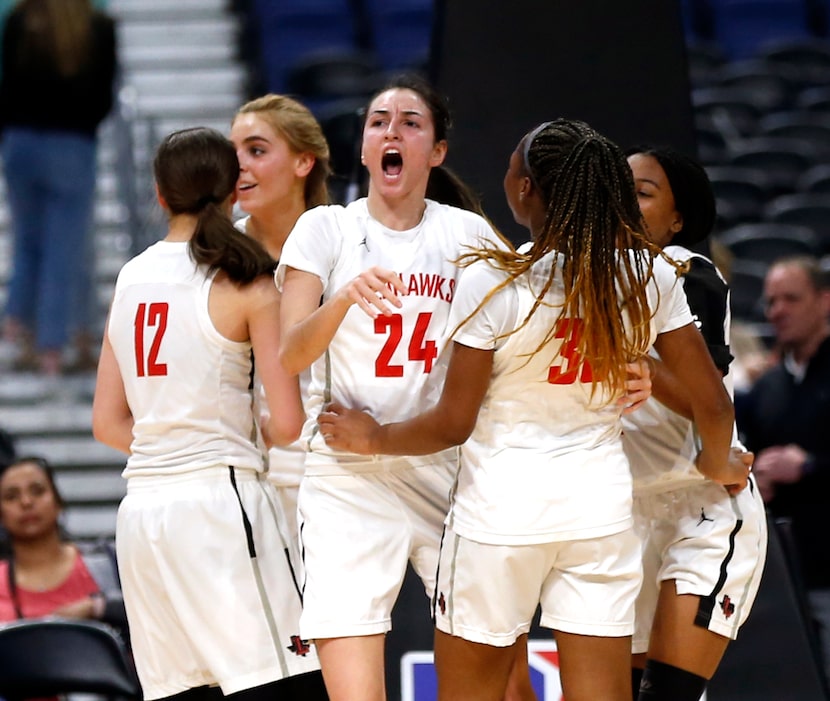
[806, 58]
[814, 99]
[401, 31]
[743, 27]
[712, 145]
[291, 29]
[782, 159]
[705, 59]
[766, 242]
[342, 123]
[740, 193]
[321, 78]
[807, 126]
[815, 180]
[806, 209]
[732, 110]
[770, 87]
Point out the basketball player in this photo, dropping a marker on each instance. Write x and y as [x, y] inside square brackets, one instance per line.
[704, 549]
[283, 171]
[541, 511]
[200, 542]
[384, 268]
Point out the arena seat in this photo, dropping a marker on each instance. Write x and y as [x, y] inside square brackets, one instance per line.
[45, 657]
[743, 27]
[766, 242]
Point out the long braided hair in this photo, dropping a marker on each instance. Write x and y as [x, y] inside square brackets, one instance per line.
[593, 223]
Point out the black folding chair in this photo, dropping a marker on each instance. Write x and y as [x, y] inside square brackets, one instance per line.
[47, 657]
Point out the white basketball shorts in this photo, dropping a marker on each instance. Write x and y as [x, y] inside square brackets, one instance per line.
[210, 592]
[489, 593]
[712, 545]
[357, 533]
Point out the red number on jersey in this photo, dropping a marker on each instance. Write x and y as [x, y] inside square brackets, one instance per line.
[419, 349]
[155, 316]
[394, 324]
[575, 365]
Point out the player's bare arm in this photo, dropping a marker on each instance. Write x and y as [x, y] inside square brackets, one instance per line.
[112, 420]
[449, 423]
[308, 326]
[685, 353]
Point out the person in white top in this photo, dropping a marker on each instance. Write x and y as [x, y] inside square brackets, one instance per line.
[283, 171]
[703, 548]
[541, 512]
[199, 537]
[384, 269]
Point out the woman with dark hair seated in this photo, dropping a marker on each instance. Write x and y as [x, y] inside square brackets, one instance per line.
[46, 574]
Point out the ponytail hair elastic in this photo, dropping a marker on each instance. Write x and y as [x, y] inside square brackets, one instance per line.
[205, 201]
[528, 141]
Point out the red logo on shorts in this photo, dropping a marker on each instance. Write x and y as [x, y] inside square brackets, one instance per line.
[442, 604]
[299, 646]
[727, 606]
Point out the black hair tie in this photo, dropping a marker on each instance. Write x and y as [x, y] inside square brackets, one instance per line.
[205, 201]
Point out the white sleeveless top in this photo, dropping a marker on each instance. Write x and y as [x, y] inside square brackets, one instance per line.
[188, 387]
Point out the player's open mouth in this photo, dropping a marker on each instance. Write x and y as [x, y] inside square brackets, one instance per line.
[392, 163]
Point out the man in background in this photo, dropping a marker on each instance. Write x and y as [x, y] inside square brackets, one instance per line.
[785, 421]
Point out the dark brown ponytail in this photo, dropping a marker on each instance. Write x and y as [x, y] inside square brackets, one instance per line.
[196, 171]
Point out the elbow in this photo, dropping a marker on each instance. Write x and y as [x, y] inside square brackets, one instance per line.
[98, 432]
[717, 414]
[100, 429]
[290, 363]
[103, 433]
[456, 432]
[280, 440]
[283, 434]
[725, 408]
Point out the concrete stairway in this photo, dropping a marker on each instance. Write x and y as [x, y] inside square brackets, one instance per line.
[179, 68]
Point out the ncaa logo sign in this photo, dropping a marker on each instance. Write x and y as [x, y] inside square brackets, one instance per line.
[418, 681]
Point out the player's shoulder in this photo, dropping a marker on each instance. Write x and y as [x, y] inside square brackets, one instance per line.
[141, 261]
[666, 273]
[324, 213]
[437, 211]
[261, 287]
[483, 277]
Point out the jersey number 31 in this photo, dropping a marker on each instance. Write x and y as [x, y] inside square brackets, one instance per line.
[573, 364]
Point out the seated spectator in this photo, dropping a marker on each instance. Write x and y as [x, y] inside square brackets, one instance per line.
[784, 420]
[45, 574]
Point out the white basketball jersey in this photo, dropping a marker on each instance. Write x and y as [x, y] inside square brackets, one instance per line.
[285, 463]
[662, 445]
[545, 461]
[188, 387]
[393, 367]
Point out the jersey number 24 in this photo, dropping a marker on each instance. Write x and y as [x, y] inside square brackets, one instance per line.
[419, 349]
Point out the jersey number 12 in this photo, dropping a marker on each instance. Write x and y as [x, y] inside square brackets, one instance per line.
[147, 316]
